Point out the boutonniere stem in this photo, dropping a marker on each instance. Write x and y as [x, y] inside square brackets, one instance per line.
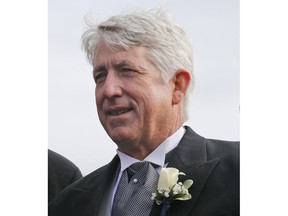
[165, 207]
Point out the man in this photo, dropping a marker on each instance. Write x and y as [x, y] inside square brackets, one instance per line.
[61, 173]
[142, 67]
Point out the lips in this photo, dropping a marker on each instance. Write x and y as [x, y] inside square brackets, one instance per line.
[117, 111]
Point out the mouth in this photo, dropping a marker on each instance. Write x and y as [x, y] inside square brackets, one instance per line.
[118, 111]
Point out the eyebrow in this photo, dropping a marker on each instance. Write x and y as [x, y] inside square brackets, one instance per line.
[99, 69]
[123, 63]
[128, 63]
[119, 64]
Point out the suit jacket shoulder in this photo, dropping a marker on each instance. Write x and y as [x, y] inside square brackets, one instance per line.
[213, 165]
[228, 151]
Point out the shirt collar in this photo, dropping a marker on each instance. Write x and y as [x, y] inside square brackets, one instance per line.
[158, 155]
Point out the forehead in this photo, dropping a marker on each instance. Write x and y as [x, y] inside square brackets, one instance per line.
[104, 55]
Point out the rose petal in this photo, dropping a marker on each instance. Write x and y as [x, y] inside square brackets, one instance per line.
[163, 183]
[172, 174]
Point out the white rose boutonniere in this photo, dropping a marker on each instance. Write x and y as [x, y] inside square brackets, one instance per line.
[169, 189]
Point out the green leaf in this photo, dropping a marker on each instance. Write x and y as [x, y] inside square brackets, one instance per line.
[188, 183]
[185, 197]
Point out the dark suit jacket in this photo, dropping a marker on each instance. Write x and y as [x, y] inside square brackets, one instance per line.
[213, 165]
[61, 173]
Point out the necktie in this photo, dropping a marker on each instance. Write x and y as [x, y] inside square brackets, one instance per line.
[133, 195]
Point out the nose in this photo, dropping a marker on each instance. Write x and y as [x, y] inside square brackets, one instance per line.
[112, 86]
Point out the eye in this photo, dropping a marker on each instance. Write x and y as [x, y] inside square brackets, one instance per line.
[100, 77]
[126, 69]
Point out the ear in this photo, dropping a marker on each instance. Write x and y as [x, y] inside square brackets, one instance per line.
[181, 81]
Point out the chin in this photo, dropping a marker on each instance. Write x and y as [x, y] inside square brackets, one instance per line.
[120, 136]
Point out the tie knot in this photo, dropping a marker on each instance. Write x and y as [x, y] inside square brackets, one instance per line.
[136, 167]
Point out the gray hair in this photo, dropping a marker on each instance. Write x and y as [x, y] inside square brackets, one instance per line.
[168, 45]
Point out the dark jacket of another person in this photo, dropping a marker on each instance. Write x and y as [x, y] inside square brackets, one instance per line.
[61, 173]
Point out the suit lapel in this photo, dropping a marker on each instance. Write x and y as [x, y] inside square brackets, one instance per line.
[199, 173]
[189, 157]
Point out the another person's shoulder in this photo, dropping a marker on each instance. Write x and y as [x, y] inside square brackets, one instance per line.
[90, 179]
[61, 173]
[72, 193]
[58, 163]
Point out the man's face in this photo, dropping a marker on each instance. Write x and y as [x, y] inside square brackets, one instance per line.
[133, 103]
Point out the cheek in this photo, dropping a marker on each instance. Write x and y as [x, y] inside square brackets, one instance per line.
[98, 100]
[160, 105]
[147, 105]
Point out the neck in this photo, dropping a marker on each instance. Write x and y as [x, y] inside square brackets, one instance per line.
[141, 150]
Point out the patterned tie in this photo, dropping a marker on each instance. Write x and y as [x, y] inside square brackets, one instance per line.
[133, 195]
